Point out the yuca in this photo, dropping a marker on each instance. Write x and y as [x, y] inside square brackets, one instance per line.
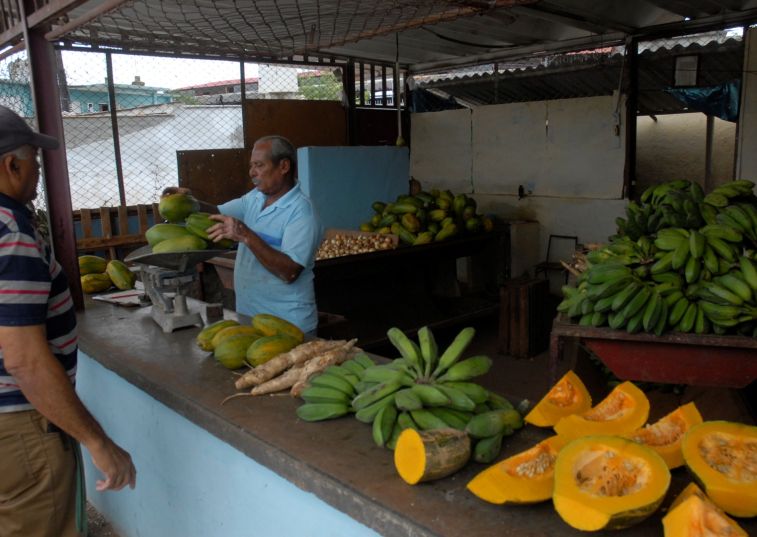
[298, 355]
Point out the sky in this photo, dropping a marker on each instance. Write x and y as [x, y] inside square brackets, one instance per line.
[172, 73]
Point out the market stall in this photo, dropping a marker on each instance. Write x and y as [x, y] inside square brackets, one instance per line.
[211, 469]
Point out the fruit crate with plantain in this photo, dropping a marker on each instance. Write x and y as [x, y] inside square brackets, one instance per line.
[682, 262]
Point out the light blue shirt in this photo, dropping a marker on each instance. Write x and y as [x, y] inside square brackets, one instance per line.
[291, 226]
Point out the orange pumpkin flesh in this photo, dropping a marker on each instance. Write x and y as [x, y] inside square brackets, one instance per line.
[693, 514]
[567, 396]
[665, 435]
[527, 477]
[625, 409]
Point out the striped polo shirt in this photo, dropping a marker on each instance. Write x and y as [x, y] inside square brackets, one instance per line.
[33, 291]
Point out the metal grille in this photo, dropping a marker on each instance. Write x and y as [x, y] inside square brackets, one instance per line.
[126, 116]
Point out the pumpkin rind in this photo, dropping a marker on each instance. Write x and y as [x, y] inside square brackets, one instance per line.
[427, 455]
[665, 435]
[608, 482]
[714, 449]
[693, 514]
[625, 409]
[568, 396]
[527, 477]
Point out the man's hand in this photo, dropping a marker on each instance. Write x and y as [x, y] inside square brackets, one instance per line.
[115, 464]
[227, 228]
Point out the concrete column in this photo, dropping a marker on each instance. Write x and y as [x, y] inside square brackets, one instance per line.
[746, 149]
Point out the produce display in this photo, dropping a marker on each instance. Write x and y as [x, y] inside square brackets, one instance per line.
[693, 513]
[342, 244]
[423, 390]
[680, 261]
[427, 217]
[99, 274]
[602, 473]
[187, 229]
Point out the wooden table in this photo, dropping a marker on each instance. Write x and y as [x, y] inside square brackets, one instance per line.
[674, 357]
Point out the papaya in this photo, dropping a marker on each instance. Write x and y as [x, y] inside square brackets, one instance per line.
[205, 337]
[233, 330]
[437, 215]
[458, 203]
[264, 348]
[608, 482]
[180, 244]
[367, 227]
[231, 351]
[425, 237]
[120, 275]
[91, 264]
[95, 283]
[410, 222]
[198, 224]
[473, 225]
[270, 325]
[160, 232]
[176, 207]
[447, 231]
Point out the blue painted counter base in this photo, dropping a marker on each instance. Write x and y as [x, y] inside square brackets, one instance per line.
[190, 483]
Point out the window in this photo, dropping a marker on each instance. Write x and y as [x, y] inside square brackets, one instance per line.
[104, 107]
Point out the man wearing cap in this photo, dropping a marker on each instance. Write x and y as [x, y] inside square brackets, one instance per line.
[41, 416]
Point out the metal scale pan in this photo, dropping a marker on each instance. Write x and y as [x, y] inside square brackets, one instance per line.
[166, 277]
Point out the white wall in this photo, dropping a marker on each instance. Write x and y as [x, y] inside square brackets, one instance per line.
[565, 153]
[747, 159]
[673, 147]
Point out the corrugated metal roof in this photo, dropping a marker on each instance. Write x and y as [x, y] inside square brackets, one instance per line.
[422, 35]
[591, 74]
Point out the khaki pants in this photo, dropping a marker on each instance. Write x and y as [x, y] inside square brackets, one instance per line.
[37, 478]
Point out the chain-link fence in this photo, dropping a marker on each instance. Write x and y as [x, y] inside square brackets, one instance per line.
[125, 117]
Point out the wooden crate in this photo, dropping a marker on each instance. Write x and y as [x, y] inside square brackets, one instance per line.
[113, 234]
[524, 317]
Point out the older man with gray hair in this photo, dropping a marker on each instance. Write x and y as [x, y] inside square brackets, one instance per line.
[41, 416]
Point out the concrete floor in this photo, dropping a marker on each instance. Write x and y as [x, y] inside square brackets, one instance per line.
[528, 379]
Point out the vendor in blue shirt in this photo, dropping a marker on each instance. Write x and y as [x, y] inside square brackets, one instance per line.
[278, 232]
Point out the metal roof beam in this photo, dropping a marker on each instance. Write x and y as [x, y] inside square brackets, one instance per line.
[582, 17]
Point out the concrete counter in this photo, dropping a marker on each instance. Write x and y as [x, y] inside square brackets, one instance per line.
[251, 467]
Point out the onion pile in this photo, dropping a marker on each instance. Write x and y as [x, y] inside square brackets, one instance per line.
[341, 244]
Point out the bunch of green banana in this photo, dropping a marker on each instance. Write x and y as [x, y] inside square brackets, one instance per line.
[729, 301]
[621, 249]
[722, 195]
[427, 389]
[331, 392]
[671, 204]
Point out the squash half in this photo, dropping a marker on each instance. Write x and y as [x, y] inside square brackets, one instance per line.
[608, 482]
[666, 434]
[625, 409]
[693, 514]
[722, 456]
[568, 396]
[527, 477]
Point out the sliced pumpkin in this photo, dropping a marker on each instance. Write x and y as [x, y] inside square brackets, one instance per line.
[722, 456]
[568, 396]
[693, 514]
[427, 455]
[608, 482]
[625, 409]
[527, 477]
[665, 435]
